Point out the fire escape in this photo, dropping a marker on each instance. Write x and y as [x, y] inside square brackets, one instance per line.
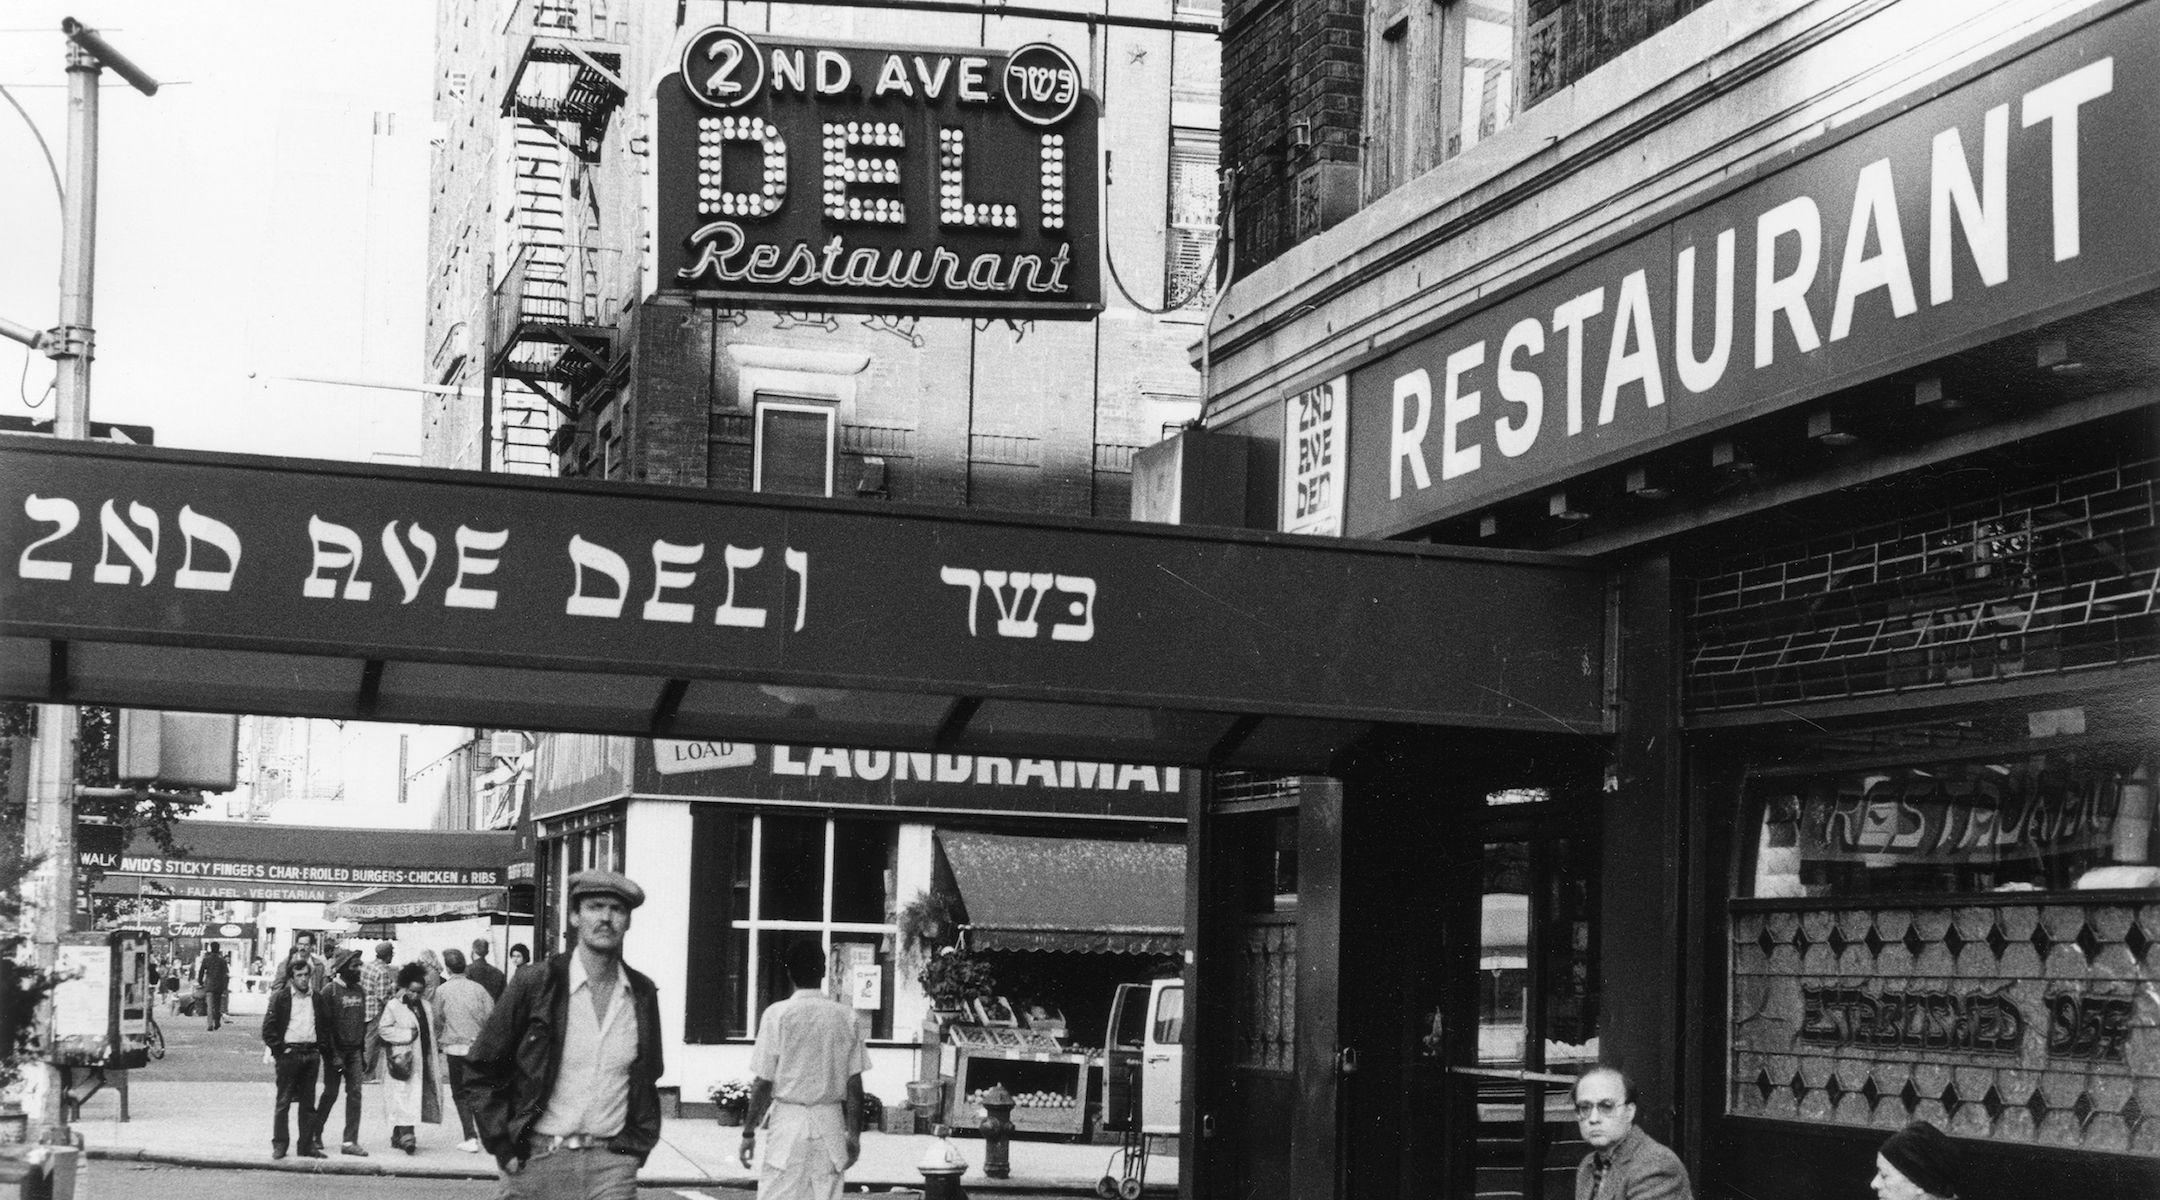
[550, 346]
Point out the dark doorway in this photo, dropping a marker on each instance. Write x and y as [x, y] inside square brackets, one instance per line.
[1520, 1015]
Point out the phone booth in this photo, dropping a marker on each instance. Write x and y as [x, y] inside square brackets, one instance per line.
[101, 1026]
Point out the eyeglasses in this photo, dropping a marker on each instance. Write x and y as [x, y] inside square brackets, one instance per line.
[1603, 1108]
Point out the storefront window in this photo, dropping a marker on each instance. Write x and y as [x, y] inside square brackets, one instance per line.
[1966, 940]
[2044, 822]
[817, 877]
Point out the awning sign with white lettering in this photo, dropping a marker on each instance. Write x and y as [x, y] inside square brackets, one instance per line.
[2020, 195]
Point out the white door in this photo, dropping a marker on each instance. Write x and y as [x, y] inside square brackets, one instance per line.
[1162, 1064]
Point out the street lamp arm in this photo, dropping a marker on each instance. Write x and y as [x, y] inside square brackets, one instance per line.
[102, 50]
[36, 339]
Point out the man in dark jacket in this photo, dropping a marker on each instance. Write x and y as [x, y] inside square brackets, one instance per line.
[297, 1024]
[215, 977]
[563, 1080]
[483, 972]
[344, 1050]
[1624, 1163]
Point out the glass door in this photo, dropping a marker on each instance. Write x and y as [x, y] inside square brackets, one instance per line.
[1534, 1000]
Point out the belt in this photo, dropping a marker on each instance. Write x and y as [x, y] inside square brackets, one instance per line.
[544, 1144]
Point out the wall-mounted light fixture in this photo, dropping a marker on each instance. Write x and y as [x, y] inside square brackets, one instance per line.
[1557, 505]
[1642, 487]
[1732, 458]
[2054, 355]
[1825, 428]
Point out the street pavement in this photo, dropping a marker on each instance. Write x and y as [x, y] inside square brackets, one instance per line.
[105, 1180]
[209, 1102]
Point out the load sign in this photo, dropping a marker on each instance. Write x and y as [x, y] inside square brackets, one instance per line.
[820, 175]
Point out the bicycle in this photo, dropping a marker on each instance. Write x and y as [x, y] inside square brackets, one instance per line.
[154, 1038]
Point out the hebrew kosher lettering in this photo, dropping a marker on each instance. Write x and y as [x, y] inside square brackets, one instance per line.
[1017, 598]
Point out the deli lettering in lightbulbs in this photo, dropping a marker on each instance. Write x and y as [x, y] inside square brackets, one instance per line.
[814, 175]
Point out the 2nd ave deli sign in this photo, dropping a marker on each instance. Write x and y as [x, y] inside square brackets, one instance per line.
[2024, 194]
[827, 176]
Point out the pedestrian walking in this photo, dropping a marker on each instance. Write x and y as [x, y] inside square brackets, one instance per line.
[809, 1062]
[461, 1010]
[483, 972]
[1918, 1162]
[1624, 1163]
[433, 963]
[378, 982]
[564, 1080]
[304, 943]
[344, 1052]
[295, 1023]
[412, 1091]
[214, 977]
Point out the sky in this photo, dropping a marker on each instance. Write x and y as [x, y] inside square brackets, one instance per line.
[263, 216]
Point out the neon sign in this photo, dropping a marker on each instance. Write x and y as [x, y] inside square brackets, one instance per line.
[811, 175]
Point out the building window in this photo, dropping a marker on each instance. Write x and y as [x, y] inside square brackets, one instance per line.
[1393, 107]
[781, 877]
[794, 448]
[1478, 72]
[1189, 273]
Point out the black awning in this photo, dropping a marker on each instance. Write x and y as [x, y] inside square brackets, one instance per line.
[1069, 894]
[308, 589]
[253, 860]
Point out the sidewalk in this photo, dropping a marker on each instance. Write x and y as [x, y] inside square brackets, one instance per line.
[227, 1125]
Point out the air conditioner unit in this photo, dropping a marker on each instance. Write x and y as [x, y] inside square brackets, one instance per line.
[506, 744]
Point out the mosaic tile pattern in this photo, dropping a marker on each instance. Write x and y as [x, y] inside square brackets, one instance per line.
[2030, 1022]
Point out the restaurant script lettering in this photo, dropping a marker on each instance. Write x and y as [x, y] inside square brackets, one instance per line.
[815, 175]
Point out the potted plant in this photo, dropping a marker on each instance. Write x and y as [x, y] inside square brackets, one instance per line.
[954, 978]
[730, 1099]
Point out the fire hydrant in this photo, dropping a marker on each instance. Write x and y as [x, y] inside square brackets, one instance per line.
[997, 1129]
[942, 1166]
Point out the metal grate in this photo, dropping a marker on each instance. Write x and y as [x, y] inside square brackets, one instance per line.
[1249, 789]
[2047, 579]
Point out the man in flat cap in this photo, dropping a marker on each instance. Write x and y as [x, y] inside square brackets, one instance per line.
[563, 1079]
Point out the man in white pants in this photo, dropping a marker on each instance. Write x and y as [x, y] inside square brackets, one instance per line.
[809, 1063]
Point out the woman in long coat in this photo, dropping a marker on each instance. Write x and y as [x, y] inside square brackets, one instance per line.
[406, 1030]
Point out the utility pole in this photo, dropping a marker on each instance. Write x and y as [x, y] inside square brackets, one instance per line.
[51, 815]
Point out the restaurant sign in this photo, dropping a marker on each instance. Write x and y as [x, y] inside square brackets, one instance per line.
[297, 873]
[128, 545]
[823, 175]
[2020, 195]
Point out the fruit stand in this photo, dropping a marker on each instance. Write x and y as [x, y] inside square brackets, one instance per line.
[1049, 1083]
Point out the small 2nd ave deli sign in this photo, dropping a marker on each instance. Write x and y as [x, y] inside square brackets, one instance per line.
[828, 176]
[2029, 190]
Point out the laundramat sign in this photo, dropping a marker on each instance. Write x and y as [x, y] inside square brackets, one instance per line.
[2026, 193]
[823, 175]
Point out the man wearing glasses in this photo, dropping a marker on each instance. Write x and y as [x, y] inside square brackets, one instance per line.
[1624, 1163]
